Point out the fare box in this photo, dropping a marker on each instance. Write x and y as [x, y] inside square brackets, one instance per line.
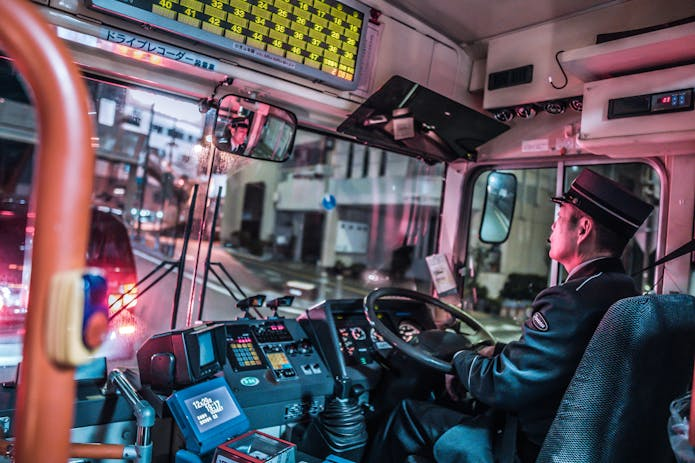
[255, 447]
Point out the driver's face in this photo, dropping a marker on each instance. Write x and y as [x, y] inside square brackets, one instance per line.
[563, 237]
[240, 135]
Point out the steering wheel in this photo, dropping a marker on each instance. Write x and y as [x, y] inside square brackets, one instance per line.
[424, 347]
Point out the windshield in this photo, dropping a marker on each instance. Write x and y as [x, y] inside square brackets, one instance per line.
[336, 221]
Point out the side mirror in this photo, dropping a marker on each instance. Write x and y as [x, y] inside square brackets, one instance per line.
[498, 211]
[254, 129]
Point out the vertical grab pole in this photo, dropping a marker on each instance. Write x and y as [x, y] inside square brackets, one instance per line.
[62, 190]
[181, 266]
[691, 433]
[209, 254]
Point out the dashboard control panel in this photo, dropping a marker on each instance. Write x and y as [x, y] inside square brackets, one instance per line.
[275, 371]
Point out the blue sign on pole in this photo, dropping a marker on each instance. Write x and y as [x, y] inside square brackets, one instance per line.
[328, 201]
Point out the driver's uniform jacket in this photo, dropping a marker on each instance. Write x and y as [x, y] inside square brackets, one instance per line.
[527, 378]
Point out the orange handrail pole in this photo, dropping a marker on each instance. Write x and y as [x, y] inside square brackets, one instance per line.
[62, 190]
[97, 451]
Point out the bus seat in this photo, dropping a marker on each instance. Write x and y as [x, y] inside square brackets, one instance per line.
[616, 407]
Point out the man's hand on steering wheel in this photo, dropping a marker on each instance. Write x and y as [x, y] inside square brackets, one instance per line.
[486, 351]
[432, 345]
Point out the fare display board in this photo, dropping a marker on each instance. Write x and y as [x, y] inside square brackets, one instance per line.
[207, 414]
[211, 408]
[319, 39]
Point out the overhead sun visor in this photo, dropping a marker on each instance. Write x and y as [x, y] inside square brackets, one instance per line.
[407, 118]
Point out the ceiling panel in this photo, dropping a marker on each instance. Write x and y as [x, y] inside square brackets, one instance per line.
[469, 21]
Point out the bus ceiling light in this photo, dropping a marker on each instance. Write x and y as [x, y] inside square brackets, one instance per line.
[529, 110]
[526, 111]
[503, 115]
[555, 107]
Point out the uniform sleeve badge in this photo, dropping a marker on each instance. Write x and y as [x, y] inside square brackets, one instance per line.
[539, 322]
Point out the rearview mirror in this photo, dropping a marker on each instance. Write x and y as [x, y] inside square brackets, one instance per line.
[254, 129]
[498, 211]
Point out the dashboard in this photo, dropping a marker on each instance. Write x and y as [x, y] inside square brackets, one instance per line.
[282, 370]
[358, 342]
[360, 346]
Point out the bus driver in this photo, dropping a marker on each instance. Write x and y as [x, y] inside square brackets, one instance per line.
[235, 135]
[527, 378]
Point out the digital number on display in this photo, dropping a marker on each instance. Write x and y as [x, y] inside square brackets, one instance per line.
[211, 408]
[318, 39]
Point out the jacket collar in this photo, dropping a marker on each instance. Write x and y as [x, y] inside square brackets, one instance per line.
[604, 264]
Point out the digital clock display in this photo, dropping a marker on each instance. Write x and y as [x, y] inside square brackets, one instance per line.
[211, 408]
[653, 103]
[672, 101]
[207, 413]
[318, 39]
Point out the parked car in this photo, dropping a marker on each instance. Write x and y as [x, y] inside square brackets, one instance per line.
[13, 220]
[108, 249]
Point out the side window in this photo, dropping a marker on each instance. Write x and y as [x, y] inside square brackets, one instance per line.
[502, 279]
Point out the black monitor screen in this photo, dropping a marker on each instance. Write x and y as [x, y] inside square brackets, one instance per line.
[204, 346]
[182, 357]
[207, 351]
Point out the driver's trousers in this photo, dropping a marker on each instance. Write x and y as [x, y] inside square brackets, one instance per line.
[419, 429]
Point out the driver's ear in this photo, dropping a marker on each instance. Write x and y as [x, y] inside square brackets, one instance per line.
[585, 226]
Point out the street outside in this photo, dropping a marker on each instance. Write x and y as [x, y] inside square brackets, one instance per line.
[259, 276]
[255, 276]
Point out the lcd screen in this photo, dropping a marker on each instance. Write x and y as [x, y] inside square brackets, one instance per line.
[212, 408]
[319, 39]
[207, 351]
[207, 414]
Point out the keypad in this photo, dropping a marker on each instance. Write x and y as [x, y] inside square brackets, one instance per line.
[244, 352]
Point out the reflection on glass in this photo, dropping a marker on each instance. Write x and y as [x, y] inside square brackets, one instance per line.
[146, 162]
[500, 197]
[336, 220]
[362, 217]
[254, 129]
[503, 278]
